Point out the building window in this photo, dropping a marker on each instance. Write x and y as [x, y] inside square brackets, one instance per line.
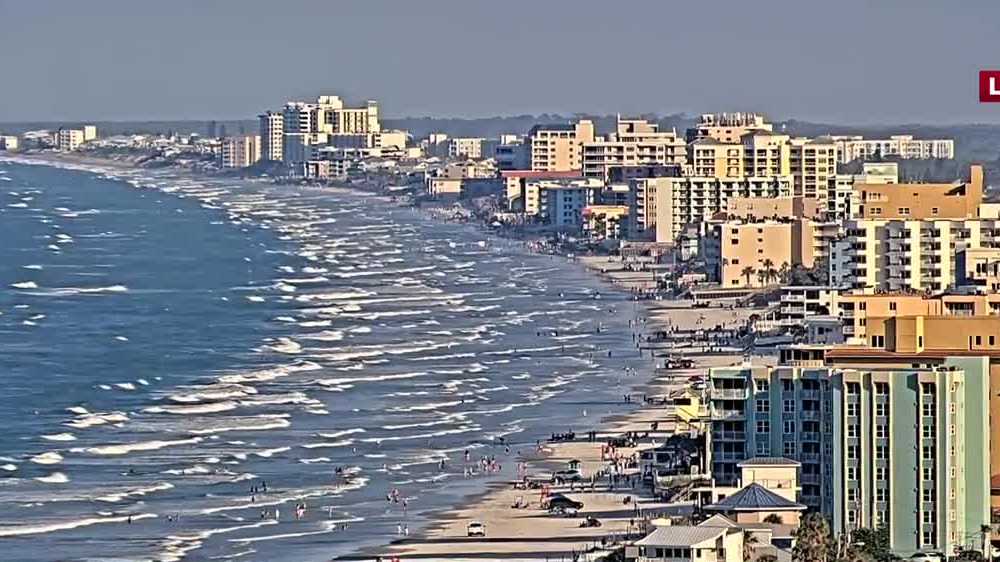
[928, 473]
[880, 472]
[762, 385]
[789, 449]
[852, 473]
[789, 427]
[928, 517]
[892, 306]
[763, 426]
[927, 408]
[880, 431]
[928, 537]
[928, 453]
[928, 431]
[852, 409]
[852, 431]
[763, 405]
[788, 406]
[763, 448]
[881, 452]
[881, 494]
[928, 495]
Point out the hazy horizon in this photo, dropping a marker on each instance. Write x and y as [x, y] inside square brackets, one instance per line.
[859, 62]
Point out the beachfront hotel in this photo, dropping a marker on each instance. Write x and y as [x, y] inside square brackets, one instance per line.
[272, 130]
[887, 437]
[559, 147]
[635, 142]
[241, 151]
[918, 237]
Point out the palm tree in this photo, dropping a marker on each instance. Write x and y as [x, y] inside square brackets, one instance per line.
[762, 277]
[773, 518]
[747, 273]
[784, 271]
[813, 540]
[769, 271]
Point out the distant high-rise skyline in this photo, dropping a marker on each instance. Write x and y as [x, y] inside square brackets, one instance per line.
[853, 61]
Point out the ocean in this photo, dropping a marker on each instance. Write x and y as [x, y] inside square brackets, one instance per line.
[170, 345]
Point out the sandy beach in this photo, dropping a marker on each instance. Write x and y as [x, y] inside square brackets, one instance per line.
[530, 532]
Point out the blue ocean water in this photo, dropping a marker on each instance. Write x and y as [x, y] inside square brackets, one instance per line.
[171, 344]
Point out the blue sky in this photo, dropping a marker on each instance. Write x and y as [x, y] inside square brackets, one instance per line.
[848, 61]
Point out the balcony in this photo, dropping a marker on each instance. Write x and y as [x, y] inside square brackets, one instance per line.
[728, 456]
[811, 479]
[720, 414]
[729, 435]
[809, 414]
[811, 394]
[809, 436]
[729, 393]
[810, 457]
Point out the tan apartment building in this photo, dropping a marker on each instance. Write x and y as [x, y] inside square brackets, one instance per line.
[762, 153]
[752, 254]
[559, 147]
[635, 142]
[727, 127]
[8, 142]
[858, 310]
[910, 236]
[272, 130]
[752, 208]
[689, 200]
[240, 152]
[812, 163]
[89, 133]
[921, 201]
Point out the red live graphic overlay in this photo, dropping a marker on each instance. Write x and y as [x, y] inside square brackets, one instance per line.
[989, 86]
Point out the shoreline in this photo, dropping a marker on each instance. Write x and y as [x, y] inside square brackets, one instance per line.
[531, 536]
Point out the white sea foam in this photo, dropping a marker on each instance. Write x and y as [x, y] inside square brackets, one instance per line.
[59, 437]
[262, 423]
[208, 408]
[90, 420]
[54, 478]
[119, 496]
[50, 457]
[9, 467]
[124, 449]
[20, 530]
[24, 285]
[286, 345]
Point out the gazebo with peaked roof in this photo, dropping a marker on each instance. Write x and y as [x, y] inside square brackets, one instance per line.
[755, 503]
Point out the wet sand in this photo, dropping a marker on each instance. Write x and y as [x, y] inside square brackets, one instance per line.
[530, 533]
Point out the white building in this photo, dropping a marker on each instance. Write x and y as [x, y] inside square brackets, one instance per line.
[468, 147]
[904, 146]
[240, 152]
[272, 129]
[8, 142]
[68, 140]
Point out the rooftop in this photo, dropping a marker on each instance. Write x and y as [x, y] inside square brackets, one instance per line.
[769, 461]
[681, 536]
[755, 498]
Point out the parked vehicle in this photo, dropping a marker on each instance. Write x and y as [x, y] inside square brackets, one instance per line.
[476, 529]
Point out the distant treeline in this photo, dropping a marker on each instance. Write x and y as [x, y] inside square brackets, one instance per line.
[979, 143]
